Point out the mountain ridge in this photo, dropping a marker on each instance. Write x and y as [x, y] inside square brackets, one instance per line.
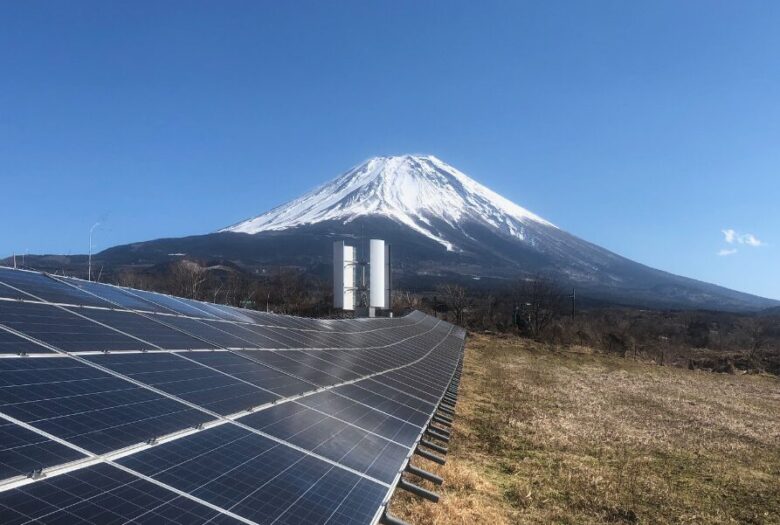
[443, 226]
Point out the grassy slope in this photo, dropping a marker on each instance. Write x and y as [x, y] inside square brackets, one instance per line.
[554, 437]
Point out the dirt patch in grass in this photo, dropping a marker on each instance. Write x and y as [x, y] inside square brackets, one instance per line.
[546, 436]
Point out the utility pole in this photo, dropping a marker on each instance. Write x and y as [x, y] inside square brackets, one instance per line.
[573, 302]
[89, 264]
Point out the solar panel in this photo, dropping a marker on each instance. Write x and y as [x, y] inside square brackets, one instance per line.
[387, 380]
[369, 388]
[281, 337]
[111, 294]
[331, 438]
[266, 337]
[150, 329]
[23, 451]
[248, 335]
[19, 284]
[213, 332]
[101, 494]
[247, 370]
[143, 407]
[170, 304]
[185, 378]
[14, 344]
[343, 373]
[348, 359]
[402, 426]
[223, 312]
[64, 329]
[259, 479]
[279, 361]
[87, 407]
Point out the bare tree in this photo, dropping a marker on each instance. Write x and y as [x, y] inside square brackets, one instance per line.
[456, 299]
[404, 300]
[754, 335]
[132, 279]
[215, 291]
[187, 277]
[487, 307]
[538, 301]
[238, 290]
[289, 290]
[698, 332]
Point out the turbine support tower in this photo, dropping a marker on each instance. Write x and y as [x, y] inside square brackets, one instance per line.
[367, 298]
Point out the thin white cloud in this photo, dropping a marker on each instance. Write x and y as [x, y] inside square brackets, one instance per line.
[727, 251]
[751, 240]
[731, 236]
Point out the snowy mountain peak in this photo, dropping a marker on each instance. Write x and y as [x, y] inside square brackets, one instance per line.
[419, 191]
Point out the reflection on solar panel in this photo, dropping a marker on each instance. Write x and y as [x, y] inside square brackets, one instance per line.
[119, 405]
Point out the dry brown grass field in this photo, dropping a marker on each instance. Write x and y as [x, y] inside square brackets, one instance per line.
[552, 436]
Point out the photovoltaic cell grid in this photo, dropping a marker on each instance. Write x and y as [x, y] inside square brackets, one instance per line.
[121, 405]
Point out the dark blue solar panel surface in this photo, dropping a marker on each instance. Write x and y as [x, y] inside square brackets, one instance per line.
[147, 328]
[388, 381]
[387, 400]
[258, 478]
[345, 372]
[279, 337]
[302, 371]
[87, 407]
[45, 288]
[336, 440]
[22, 451]
[113, 294]
[251, 336]
[188, 380]
[222, 312]
[311, 438]
[399, 423]
[252, 372]
[348, 359]
[101, 494]
[171, 304]
[13, 344]
[218, 334]
[63, 329]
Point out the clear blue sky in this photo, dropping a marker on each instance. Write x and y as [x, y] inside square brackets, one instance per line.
[645, 127]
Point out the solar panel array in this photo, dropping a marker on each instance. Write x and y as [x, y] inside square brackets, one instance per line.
[122, 405]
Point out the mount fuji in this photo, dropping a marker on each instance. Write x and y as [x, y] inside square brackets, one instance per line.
[443, 225]
[414, 191]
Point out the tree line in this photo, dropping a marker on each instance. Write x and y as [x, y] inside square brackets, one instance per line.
[541, 309]
[536, 307]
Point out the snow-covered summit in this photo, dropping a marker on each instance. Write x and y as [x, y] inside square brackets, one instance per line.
[417, 191]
